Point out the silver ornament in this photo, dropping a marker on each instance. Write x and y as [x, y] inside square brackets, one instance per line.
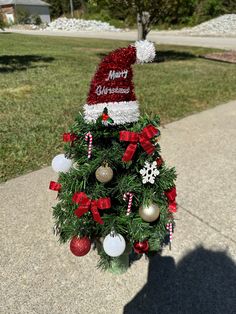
[104, 174]
[149, 213]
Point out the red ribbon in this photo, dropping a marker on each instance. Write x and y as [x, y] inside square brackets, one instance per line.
[171, 195]
[172, 207]
[143, 138]
[69, 137]
[86, 204]
[55, 186]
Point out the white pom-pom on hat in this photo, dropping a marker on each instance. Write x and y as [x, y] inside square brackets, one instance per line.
[145, 51]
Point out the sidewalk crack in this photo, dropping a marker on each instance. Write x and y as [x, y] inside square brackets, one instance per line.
[207, 224]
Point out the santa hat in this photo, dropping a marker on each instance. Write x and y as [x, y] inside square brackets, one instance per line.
[112, 86]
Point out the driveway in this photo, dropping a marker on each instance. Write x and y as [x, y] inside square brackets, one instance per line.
[228, 43]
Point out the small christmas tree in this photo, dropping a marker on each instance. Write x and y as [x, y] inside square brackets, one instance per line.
[114, 188]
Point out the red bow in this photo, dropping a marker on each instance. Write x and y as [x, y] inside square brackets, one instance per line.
[86, 204]
[171, 195]
[105, 117]
[69, 137]
[143, 138]
[55, 186]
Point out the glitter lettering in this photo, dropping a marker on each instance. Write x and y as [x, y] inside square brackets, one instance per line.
[102, 90]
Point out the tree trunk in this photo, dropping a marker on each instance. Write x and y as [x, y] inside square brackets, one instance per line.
[71, 8]
[140, 26]
[143, 19]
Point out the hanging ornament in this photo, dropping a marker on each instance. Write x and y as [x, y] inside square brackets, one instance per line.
[149, 172]
[169, 227]
[128, 196]
[89, 137]
[61, 164]
[149, 213]
[80, 246]
[114, 244]
[104, 174]
[141, 247]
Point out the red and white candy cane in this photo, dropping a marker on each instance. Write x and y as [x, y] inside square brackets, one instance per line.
[89, 137]
[169, 227]
[128, 196]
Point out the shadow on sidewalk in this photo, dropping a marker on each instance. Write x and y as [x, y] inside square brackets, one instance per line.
[11, 63]
[203, 282]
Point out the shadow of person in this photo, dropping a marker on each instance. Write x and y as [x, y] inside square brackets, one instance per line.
[203, 282]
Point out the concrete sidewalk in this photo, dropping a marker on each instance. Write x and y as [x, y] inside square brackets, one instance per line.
[168, 38]
[40, 276]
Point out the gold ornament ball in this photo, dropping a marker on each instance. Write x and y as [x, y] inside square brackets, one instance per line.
[104, 174]
[149, 213]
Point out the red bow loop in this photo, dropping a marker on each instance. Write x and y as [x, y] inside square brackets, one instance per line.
[79, 197]
[104, 203]
[55, 186]
[129, 136]
[150, 131]
[69, 137]
[86, 204]
[171, 196]
[143, 138]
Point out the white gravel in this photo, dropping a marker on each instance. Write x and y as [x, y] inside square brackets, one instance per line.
[74, 25]
[224, 25]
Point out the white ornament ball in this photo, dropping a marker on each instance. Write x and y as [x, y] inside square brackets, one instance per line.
[61, 164]
[114, 244]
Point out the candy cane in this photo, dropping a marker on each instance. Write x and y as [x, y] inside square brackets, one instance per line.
[169, 227]
[128, 196]
[90, 137]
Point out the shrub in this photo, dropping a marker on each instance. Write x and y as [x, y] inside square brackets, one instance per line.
[22, 16]
[36, 20]
[2, 22]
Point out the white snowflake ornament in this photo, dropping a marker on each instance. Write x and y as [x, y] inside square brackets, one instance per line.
[149, 172]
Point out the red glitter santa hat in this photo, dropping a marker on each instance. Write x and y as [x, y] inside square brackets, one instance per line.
[112, 86]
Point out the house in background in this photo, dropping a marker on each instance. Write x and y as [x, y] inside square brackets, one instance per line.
[8, 8]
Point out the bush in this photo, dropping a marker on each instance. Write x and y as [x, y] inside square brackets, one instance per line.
[2, 22]
[22, 16]
[36, 20]
[207, 9]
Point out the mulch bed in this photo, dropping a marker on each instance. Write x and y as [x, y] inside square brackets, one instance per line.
[227, 56]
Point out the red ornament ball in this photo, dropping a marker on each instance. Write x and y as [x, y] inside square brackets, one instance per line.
[80, 246]
[141, 247]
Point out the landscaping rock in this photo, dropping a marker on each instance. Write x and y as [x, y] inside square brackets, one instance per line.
[224, 25]
[66, 24]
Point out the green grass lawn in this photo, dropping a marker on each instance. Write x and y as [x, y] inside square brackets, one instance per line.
[44, 83]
